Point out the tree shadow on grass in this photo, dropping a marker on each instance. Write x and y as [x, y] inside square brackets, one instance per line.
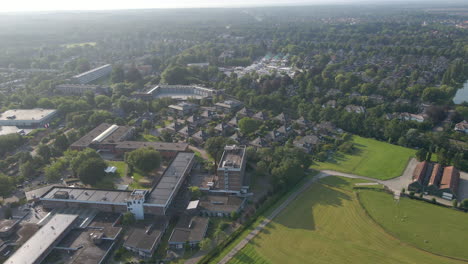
[299, 214]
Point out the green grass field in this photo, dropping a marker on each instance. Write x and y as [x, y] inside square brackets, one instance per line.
[328, 225]
[372, 158]
[427, 226]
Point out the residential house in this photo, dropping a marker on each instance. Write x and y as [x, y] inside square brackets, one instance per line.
[258, 143]
[302, 122]
[244, 112]
[173, 127]
[434, 180]
[355, 109]
[223, 129]
[261, 116]
[195, 121]
[234, 122]
[462, 127]
[330, 103]
[307, 143]
[282, 118]
[228, 106]
[200, 137]
[186, 131]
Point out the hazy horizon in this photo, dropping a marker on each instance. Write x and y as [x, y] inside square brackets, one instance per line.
[90, 5]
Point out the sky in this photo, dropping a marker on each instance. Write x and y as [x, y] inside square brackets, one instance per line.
[55, 5]
[59, 5]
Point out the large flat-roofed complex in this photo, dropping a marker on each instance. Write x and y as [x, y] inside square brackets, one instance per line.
[231, 170]
[165, 190]
[94, 74]
[27, 117]
[167, 149]
[104, 137]
[103, 200]
[181, 92]
[44, 240]
[80, 89]
[139, 202]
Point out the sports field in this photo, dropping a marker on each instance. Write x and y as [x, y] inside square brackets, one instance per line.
[433, 228]
[327, 224]
[372, 158]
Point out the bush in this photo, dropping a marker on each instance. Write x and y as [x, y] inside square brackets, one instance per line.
[454, 203]
[433, 200]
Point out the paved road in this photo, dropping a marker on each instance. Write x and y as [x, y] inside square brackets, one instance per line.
[393, 184]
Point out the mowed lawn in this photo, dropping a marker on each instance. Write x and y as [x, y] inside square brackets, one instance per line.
[328, 225]
[372, 158]
[433, 228]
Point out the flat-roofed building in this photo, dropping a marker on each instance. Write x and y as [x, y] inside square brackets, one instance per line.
[8, 226]
[189, 229]
[221, 205]
[168, 150]
[36, 117]
[231, 170]
[229, 106]
[168, 186]
[183, 108]
[104, 137]
[80, 89]
[93, 74]
[44, 240]
[179, 92]
[144, 237]
[100, 199]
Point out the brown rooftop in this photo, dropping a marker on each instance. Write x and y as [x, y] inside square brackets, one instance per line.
[450, 179]
[435, 176]
[420, 171]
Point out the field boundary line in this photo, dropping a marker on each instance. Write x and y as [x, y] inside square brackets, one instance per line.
[396, 237]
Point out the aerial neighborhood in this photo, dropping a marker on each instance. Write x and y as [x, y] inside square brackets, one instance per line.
[256, 135]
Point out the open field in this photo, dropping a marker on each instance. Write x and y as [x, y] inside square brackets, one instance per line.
[371, 158]
[433, 228]
[327, 224]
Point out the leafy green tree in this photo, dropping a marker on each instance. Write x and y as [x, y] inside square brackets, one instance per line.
[81, 157]
[27, 169]
[195, 193]
[175, 75]
[206, 244]
[145, 159]
[91, 171]
[99, 117]
[44, 152]
[61, 142]
[103, 102]
[421, 154]
[464, 203]
[215, 146]
[6, 185]
[248, 125]
[117, 75]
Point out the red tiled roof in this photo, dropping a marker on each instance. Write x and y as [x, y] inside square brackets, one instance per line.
[435, 176]
[419, 171]
[450, 179]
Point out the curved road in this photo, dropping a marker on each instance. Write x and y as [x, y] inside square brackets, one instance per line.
[393, 184]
